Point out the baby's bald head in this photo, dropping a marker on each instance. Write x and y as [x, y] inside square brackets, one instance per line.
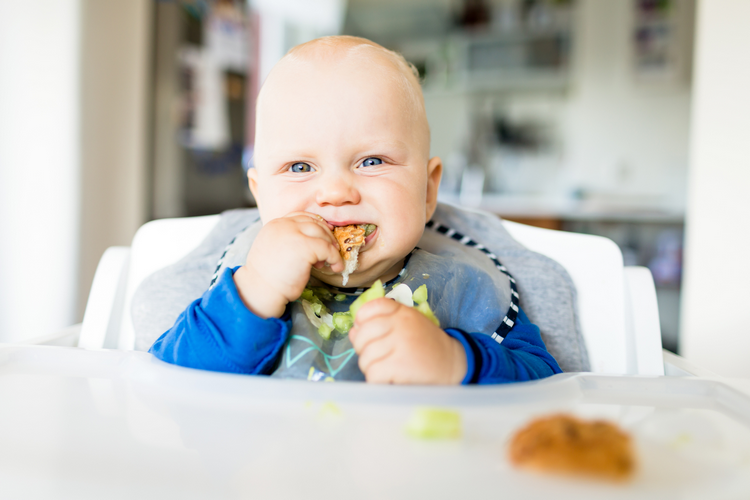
[341, 132]
[358, 61]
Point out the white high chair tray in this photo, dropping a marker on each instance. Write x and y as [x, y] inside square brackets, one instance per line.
[115, 424]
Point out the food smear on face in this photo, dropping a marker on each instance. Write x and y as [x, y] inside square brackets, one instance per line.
[434, 423]
[566, 445]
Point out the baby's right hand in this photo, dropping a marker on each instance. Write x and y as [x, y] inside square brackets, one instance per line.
[279, 263]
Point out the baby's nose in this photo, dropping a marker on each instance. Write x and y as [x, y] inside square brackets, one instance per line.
[337, 189]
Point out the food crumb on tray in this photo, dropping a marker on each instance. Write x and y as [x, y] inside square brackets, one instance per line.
[564, 444]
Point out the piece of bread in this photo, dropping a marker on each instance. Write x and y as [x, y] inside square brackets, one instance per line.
[350, 239]
[568, 445]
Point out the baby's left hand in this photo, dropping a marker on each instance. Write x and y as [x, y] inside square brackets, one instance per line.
[397, 344]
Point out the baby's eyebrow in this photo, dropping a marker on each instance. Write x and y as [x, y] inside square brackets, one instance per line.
[374, 146]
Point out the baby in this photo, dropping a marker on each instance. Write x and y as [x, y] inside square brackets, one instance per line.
[342, 138]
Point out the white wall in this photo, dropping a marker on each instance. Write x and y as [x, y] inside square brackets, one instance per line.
[622, 132]
[74, 78]
[115, 79]
[716, 300]
[39, 166]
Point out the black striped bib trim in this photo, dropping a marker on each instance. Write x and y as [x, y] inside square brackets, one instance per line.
[510, 317]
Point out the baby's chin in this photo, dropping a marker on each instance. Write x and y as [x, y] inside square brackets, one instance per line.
[328, 277]
[364, 276]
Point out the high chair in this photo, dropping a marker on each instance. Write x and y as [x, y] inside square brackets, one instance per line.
[617, 305]
[107, 421]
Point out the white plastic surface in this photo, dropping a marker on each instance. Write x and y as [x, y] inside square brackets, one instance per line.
[105, 303]
[595, 265]
[158, 244]
[642, 315]
[67, 337]
[113, 424]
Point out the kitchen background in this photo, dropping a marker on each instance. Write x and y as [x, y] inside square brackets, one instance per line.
[565, 114]
[626, 118]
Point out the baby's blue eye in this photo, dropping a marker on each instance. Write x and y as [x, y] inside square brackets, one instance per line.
[300, 168]
[369, 162]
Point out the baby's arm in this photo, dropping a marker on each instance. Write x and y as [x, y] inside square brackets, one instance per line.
[218, 333]
[235, 326]
[520, 357]
[397, 344]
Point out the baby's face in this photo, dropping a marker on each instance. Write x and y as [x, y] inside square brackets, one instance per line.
[340, 141]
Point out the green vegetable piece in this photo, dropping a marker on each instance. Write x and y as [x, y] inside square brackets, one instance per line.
[420, 295]
[434, 423]
[340, 297]
[376, 291]
[325, 331]
[369, 228]
[307, 294]
[329, 409]
[343, 321]
[424, 308]
[322, 293]
[317, 308]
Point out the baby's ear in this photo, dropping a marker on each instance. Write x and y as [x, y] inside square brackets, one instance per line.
[252, 182]
[434, 173]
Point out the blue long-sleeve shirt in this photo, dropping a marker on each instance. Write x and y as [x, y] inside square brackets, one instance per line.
[218, 332]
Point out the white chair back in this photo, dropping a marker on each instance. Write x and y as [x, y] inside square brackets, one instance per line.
[595, 265]
[156, 245]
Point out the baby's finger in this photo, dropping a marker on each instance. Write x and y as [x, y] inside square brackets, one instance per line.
[375, 308]
[316, 229]
[323, 251]
[314, 217]
[365, 333]
[375, 351]
[294, 215]
[380, 372]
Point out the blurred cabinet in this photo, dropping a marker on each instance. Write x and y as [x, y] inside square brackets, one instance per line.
[201, 76]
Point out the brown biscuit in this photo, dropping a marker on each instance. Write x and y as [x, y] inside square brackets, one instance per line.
[568, 445]
[349, 238]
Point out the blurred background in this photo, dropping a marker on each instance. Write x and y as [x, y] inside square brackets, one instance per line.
[622, 118]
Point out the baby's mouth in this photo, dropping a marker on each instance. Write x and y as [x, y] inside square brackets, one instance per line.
[353, 234]
[369, 236]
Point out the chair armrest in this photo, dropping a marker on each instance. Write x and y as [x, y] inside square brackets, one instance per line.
[642, 325]
[101, 320]
[677, 366]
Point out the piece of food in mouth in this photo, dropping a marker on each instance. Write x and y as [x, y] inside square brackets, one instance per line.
[565, 444]
[351, 238]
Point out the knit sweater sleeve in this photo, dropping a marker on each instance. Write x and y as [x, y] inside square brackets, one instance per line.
[520, 357]
[218, 332]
